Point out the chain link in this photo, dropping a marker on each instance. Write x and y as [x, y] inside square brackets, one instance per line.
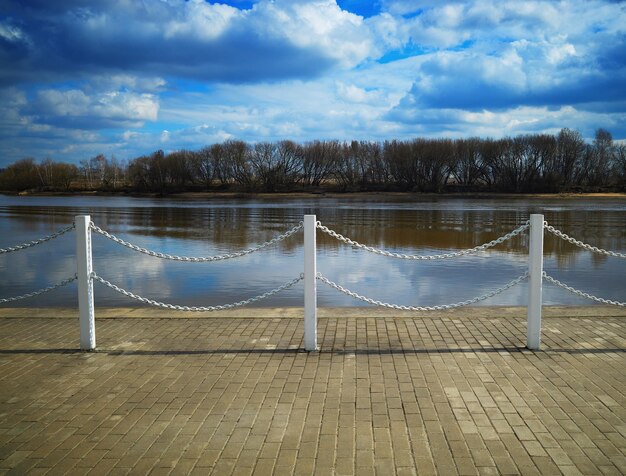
[198, 259]
[581, 293]
[580, 244]
[389, 254]
[194, 308]
[40, 291]
[37, 242]
[421, 308]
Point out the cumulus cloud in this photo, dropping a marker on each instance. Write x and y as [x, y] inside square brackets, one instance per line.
[73, 108]
[127, 82]
[319, 24]
[203, 21]
[193, 39]
[76, 75]
[510, 56]
[509, 122]
[467, 81]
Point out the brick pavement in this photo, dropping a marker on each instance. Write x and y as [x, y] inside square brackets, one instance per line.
[451, 393]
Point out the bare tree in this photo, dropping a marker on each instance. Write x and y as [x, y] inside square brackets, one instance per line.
[318, 162]
[377, 171]
[434, 161]
[222, 168]
[542, 149]
[139, 173]
[361, 164]
[203, 166]
[288, 163]
[602, 158]
[469, 168]
[57, 175]
[526, 163]
[21, 175]
[114, 173]
[517, 164]
[564, 171]
[178, 169]
[64, 175]
[402, 169]
[46, 172]
[620, 166]
[348, 166]
[274, 164]
[237, 156]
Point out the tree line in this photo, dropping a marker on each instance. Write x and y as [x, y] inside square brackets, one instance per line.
[521, 164]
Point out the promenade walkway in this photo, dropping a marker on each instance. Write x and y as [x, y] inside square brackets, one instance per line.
[388, 393]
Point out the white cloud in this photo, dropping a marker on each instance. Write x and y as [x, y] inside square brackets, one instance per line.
[12, 33]
[352, 93]
[116, 82]
[133, 144]
[559, 54]
[11, 101]
[389, 32]
[510, 122]
[121, 72]
[202, 20]
[199, 40]
[109, 107]
[318, 24]
[297, 110]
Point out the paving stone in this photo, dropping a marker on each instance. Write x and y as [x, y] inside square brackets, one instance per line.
[451, 393]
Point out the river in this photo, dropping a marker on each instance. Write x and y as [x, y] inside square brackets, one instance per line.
[402, 224]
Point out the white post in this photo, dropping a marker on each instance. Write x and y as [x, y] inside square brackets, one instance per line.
[535, 278]
[310, 283]
[84, 268]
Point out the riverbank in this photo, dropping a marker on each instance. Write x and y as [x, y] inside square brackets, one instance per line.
[335, 195]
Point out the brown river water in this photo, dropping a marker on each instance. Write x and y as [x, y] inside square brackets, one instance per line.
[401, 224]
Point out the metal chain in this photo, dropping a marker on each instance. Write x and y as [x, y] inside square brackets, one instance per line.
[574, 241]
[40, 291]
[199, 259]
[421, 308]
[377, 251]
[581, 293]
[37, 242]
[193, 308]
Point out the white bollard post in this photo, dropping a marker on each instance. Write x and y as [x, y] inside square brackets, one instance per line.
[310, 283]
[535, 278]
[84, 268]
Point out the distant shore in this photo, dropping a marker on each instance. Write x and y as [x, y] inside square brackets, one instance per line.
[327, 194]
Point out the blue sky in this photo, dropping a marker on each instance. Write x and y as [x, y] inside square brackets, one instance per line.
[124, 78]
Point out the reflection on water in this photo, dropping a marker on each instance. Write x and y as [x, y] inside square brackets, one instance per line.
[216, 226]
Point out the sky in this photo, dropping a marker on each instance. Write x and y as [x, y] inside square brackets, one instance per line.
[124, 78]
